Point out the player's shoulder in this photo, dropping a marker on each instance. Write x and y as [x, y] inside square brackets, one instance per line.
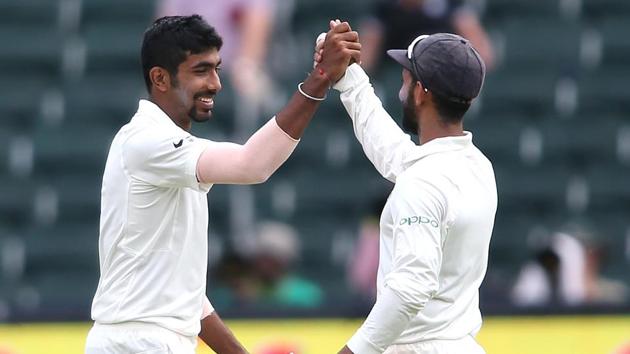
[436, 172]
[142, 134]
[431, 167]
[482, 159]
[143, 142]
[418, 178]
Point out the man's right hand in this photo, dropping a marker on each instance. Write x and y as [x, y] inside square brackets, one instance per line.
[340, 48]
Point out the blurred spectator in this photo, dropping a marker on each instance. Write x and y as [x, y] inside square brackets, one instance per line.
[395, 23]
[363, 266]
[266, 277]
[246, 26]
[567, 272]
[233, 282]
[278, 246]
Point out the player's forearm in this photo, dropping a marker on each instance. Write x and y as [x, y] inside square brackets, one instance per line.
[296, 115]
[218, 337]
[384, 143]
[389, 317]
[269, 147]
[253, 162]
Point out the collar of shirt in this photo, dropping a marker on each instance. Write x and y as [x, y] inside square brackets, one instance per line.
[438, 145]
[152, 111]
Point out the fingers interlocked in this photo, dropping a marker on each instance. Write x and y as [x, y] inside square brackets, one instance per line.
[339, 48]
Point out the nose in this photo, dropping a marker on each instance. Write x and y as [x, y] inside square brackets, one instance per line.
[214, 82]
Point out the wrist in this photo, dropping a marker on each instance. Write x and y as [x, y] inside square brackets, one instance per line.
[317, 83]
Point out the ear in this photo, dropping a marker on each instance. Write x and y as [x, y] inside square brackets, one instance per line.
[419, 94]
[160, 78]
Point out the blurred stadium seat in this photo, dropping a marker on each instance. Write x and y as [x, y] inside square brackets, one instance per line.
[511, 9]
[30, 13]
[531, 93]
[598, 9]
[16, 204]
[581, 140]
[117, 12]
[532, 44]
[604, 92]
[114, 49]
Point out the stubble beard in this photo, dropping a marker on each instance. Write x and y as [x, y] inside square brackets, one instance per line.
[410, 120]
[193, 115]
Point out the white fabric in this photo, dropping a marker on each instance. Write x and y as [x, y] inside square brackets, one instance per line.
[435, 228]
[207, 308]
[133, 338]
[373, 337]
[466, 345]
[390, 146]
[253, 162]
[154, 220]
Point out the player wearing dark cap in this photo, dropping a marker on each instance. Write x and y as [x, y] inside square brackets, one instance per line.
[435, 228]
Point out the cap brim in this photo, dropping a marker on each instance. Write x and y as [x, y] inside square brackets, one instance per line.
[400, 55]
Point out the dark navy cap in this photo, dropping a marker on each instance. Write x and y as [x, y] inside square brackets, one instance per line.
[445, 64]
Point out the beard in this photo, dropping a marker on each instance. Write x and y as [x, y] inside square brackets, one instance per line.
[410, 120]
[192, 113]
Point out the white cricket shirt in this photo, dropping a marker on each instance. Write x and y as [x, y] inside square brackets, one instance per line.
[434, 231]
[153, 228]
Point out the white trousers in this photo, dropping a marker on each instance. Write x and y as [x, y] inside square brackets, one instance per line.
[137, 338]
[466, 345]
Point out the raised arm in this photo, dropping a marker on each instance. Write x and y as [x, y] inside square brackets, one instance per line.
[270, 146]
[384, 143]
[253, 162]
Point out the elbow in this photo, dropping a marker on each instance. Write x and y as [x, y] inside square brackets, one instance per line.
[414, 294]
[261, 178]
[260, 175]
[414, 300]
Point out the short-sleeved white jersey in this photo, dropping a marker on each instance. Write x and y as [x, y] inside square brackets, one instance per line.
[153, 227]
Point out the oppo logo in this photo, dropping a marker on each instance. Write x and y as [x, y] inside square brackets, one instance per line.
[418, 220]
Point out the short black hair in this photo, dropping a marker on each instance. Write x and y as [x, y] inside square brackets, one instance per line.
[450, 112]
[170, 39]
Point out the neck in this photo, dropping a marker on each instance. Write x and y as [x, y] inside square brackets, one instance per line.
[172, 111]
[433, 127]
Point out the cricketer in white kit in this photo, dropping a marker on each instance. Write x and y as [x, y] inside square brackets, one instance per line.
[436, 225]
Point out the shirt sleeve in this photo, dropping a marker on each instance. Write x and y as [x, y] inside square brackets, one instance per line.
[165, 160]
[207, 309]
[418, 211]
[254, 162]
[384, 143]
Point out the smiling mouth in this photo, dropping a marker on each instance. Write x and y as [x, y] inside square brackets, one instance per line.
[207, 102]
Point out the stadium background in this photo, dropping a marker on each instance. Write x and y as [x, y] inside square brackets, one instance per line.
[553, 118]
